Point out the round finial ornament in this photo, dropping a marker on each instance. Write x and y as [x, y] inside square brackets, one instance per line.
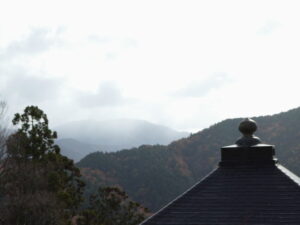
[248, 127]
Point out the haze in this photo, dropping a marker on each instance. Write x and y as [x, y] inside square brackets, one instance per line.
[182, 64]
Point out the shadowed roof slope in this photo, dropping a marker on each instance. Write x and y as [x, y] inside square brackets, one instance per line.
[248, 188]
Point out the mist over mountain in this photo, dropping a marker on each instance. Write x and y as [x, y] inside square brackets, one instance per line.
[155, 175]
[74, 149]
[79, 138]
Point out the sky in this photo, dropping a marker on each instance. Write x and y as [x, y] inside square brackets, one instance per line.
[183, 64]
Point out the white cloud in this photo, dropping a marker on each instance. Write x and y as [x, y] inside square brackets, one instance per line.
[202, 88]
[107, 95]
[37, 41]
[21, 87]
[269, 28]
[56, 53]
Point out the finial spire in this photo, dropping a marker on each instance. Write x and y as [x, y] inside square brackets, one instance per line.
[247, 128]
[248, 150]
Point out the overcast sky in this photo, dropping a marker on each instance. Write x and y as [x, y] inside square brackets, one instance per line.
[184, 64]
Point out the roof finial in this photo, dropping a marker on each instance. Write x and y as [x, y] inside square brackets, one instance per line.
[247, 128]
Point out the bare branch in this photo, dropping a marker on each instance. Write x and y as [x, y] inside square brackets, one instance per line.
[3, 132]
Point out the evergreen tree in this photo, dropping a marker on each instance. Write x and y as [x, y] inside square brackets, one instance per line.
[39, 185]
[111, 206]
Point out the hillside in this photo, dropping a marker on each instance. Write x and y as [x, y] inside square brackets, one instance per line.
[74, 149]
[112, 135]
[154, 175]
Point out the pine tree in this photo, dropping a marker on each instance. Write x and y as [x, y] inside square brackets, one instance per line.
[39, 185]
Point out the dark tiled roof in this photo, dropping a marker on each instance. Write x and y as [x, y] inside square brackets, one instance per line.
[237, 195]
[248, 188]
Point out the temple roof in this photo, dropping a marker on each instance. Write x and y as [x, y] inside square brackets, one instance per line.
[248, 188]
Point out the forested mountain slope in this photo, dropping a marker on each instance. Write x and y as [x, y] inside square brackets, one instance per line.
[74, 149]
[79, 138]
[154, 175]
[121, 133]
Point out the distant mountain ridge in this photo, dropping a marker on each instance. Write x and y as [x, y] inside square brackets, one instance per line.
[74, 149]
[154, 175]
[79, 138]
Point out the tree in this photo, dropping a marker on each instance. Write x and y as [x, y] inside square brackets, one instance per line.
[3, 132]
[37, 139]
[111, 206]
[39, 185]
[2, 149]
